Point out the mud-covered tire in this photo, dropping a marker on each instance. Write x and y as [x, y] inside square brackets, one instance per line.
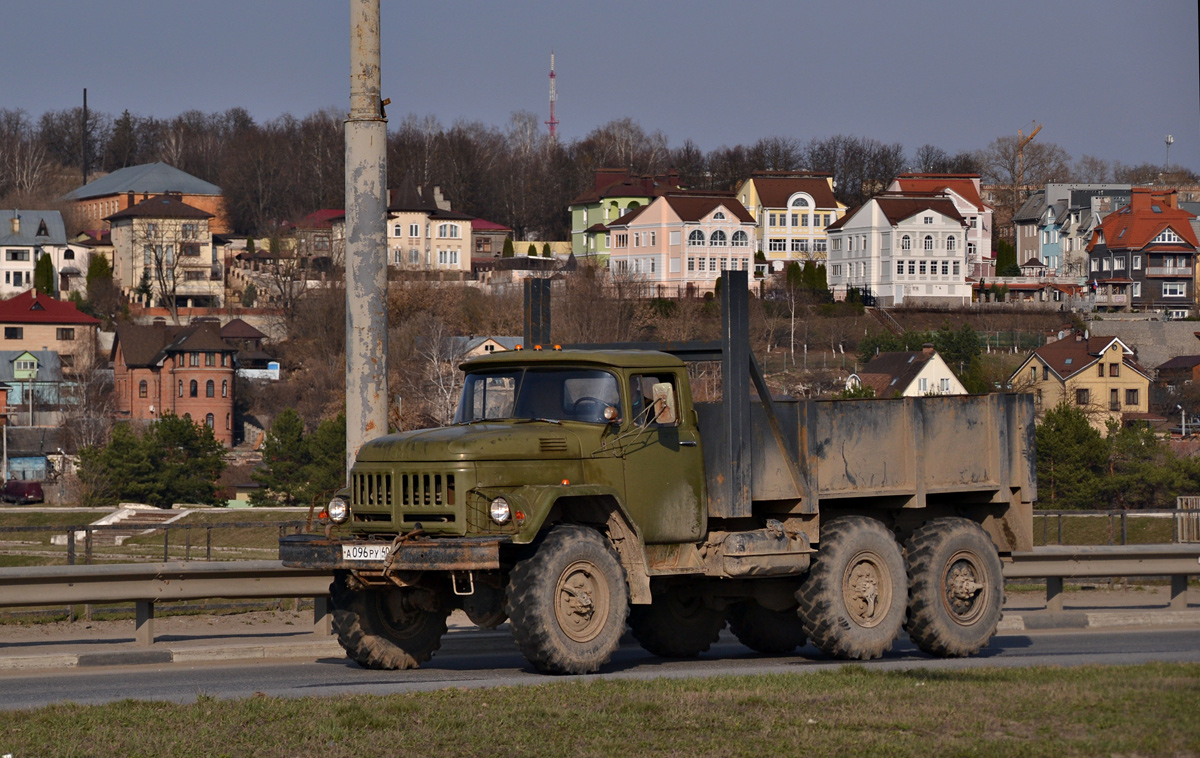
[956, 587]
[567, 602]
[676, 624]
[766, 631]
[853, 599]
[379, 630]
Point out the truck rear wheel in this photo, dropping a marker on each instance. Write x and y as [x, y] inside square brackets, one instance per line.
[766, 631]
[677, 624]
[956, 587]
[853, 598]
[567, 602]
[387, 629]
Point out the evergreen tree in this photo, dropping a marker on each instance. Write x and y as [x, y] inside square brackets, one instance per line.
[43, 275]
[508, 248]
[532, 251]
[546, 250]
[285, 456]
[1071, 455]
[325, 473]
[98, 270]
[250, 246]
[249, 295]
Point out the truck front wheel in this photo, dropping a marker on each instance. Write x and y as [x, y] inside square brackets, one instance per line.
[677, 624]
[567, 602]
[853, 598]
[390, 628]
[956, 587]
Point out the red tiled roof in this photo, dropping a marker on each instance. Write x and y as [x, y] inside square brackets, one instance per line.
[148, 345]
[1134, 226]
[961, 184]
[899, 208]
[32, 308]
[692, 206]
[483, 225]
[322, 219]
[774, 191]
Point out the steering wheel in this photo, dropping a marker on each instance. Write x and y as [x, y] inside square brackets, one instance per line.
[588, 407]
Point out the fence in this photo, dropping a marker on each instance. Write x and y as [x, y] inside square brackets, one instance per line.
[1186, 522]
[185, 539]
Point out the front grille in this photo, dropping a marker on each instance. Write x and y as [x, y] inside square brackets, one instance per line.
[426, 490]
[372, 489]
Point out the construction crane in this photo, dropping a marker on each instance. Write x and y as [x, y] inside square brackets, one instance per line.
[553, 122]
[1022, 141]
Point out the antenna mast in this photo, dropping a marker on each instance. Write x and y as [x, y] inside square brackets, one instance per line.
[553, 122]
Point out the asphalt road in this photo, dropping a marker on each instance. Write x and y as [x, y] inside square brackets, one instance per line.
[492, 660]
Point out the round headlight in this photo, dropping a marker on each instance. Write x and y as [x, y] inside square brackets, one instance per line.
[338, 510]
[500, 511]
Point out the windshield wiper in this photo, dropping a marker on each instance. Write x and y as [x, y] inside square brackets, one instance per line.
[530, 420]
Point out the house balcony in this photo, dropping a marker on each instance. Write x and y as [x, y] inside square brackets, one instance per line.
[1112, 299]
[1181, 271]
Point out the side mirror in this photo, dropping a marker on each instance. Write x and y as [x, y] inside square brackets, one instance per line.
[665, 411]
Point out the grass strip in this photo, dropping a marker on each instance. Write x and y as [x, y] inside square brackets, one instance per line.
[1146, 710]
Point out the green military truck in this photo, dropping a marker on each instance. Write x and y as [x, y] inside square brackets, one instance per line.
[582, 489]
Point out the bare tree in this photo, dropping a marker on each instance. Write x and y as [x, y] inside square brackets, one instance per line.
[1000, 164]
[88, 407]
[24, 161]
[440, 352]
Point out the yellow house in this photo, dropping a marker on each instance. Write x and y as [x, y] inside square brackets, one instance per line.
[792, 210]
[1100, 375]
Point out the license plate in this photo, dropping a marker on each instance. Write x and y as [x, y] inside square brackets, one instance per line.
[365, 552]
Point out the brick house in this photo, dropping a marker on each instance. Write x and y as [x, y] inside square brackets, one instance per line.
[39, 322]
[184, 370]
[124, 188]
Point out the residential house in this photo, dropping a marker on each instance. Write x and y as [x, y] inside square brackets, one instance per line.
[901, 249]
[1025, 227]
[167, 244]
[424, 235]
[907, 374]
[487, 238]
[39, 322]
[614, 193]
[1143, 256]
[964, 191]
[119, 191]
[1100, 375]
[184, 370]
[791, 211]
[473, 347]
[1055, 223]
[681, 242]
[25, 236]
[35, 387]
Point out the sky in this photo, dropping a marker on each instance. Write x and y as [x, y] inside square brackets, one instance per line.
[1103, 78]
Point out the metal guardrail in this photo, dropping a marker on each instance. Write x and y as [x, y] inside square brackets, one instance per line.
[148, 583]
[1058, 562]
[1187, 522]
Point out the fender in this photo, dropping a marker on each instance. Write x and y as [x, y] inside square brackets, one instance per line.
[538, 503]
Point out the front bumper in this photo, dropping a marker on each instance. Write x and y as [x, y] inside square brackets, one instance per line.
[429, 554]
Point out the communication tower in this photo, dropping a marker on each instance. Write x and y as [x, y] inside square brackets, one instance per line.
[553, 122]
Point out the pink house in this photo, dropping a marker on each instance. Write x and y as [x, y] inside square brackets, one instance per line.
[680, 242]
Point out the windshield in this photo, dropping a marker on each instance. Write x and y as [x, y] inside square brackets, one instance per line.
[537, 393]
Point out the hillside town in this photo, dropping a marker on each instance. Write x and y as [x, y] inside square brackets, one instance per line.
[147, 291]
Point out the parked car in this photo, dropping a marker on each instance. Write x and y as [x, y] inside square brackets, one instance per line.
[19, 491]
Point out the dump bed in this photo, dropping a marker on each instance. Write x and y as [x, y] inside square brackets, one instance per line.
[907, 450]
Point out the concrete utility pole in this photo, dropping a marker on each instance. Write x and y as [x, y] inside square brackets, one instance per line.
[366, 240]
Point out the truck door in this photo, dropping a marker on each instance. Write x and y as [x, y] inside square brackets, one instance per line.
[664, 466]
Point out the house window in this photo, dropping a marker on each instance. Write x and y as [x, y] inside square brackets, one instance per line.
[1119, 263]
[181, 388]
[1114, 369]
[414, 230]
[928, 242]
[16, 255]
[717, 239]
[225, 388]
[1100, 369]
[691, 264]
[210, 359]
[1082, 397]
[1114, 400]
[143, 390]
[777, 245]
[1174, 289]
[1137, 263]
[1136, 289]
[740, 239]
[956, 268]
[800, 202]
[396, 229]
[912, 267]
[922, 268]
[14, 332]
[950, 243]
[928, 219]
[803, 219]
[795, 219]
[1131, 397]
[773, 220]
[194, 359]
[718, 216]
[1033, 373]
[194, 389]
[923, 385]
[906, 243]
[1037, 397]
[448, 231]
[227, 421]
[209, 420]
[210, 388]
[712, 264]
[944, 385]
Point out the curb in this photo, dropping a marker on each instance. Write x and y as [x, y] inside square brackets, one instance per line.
[481, 642]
